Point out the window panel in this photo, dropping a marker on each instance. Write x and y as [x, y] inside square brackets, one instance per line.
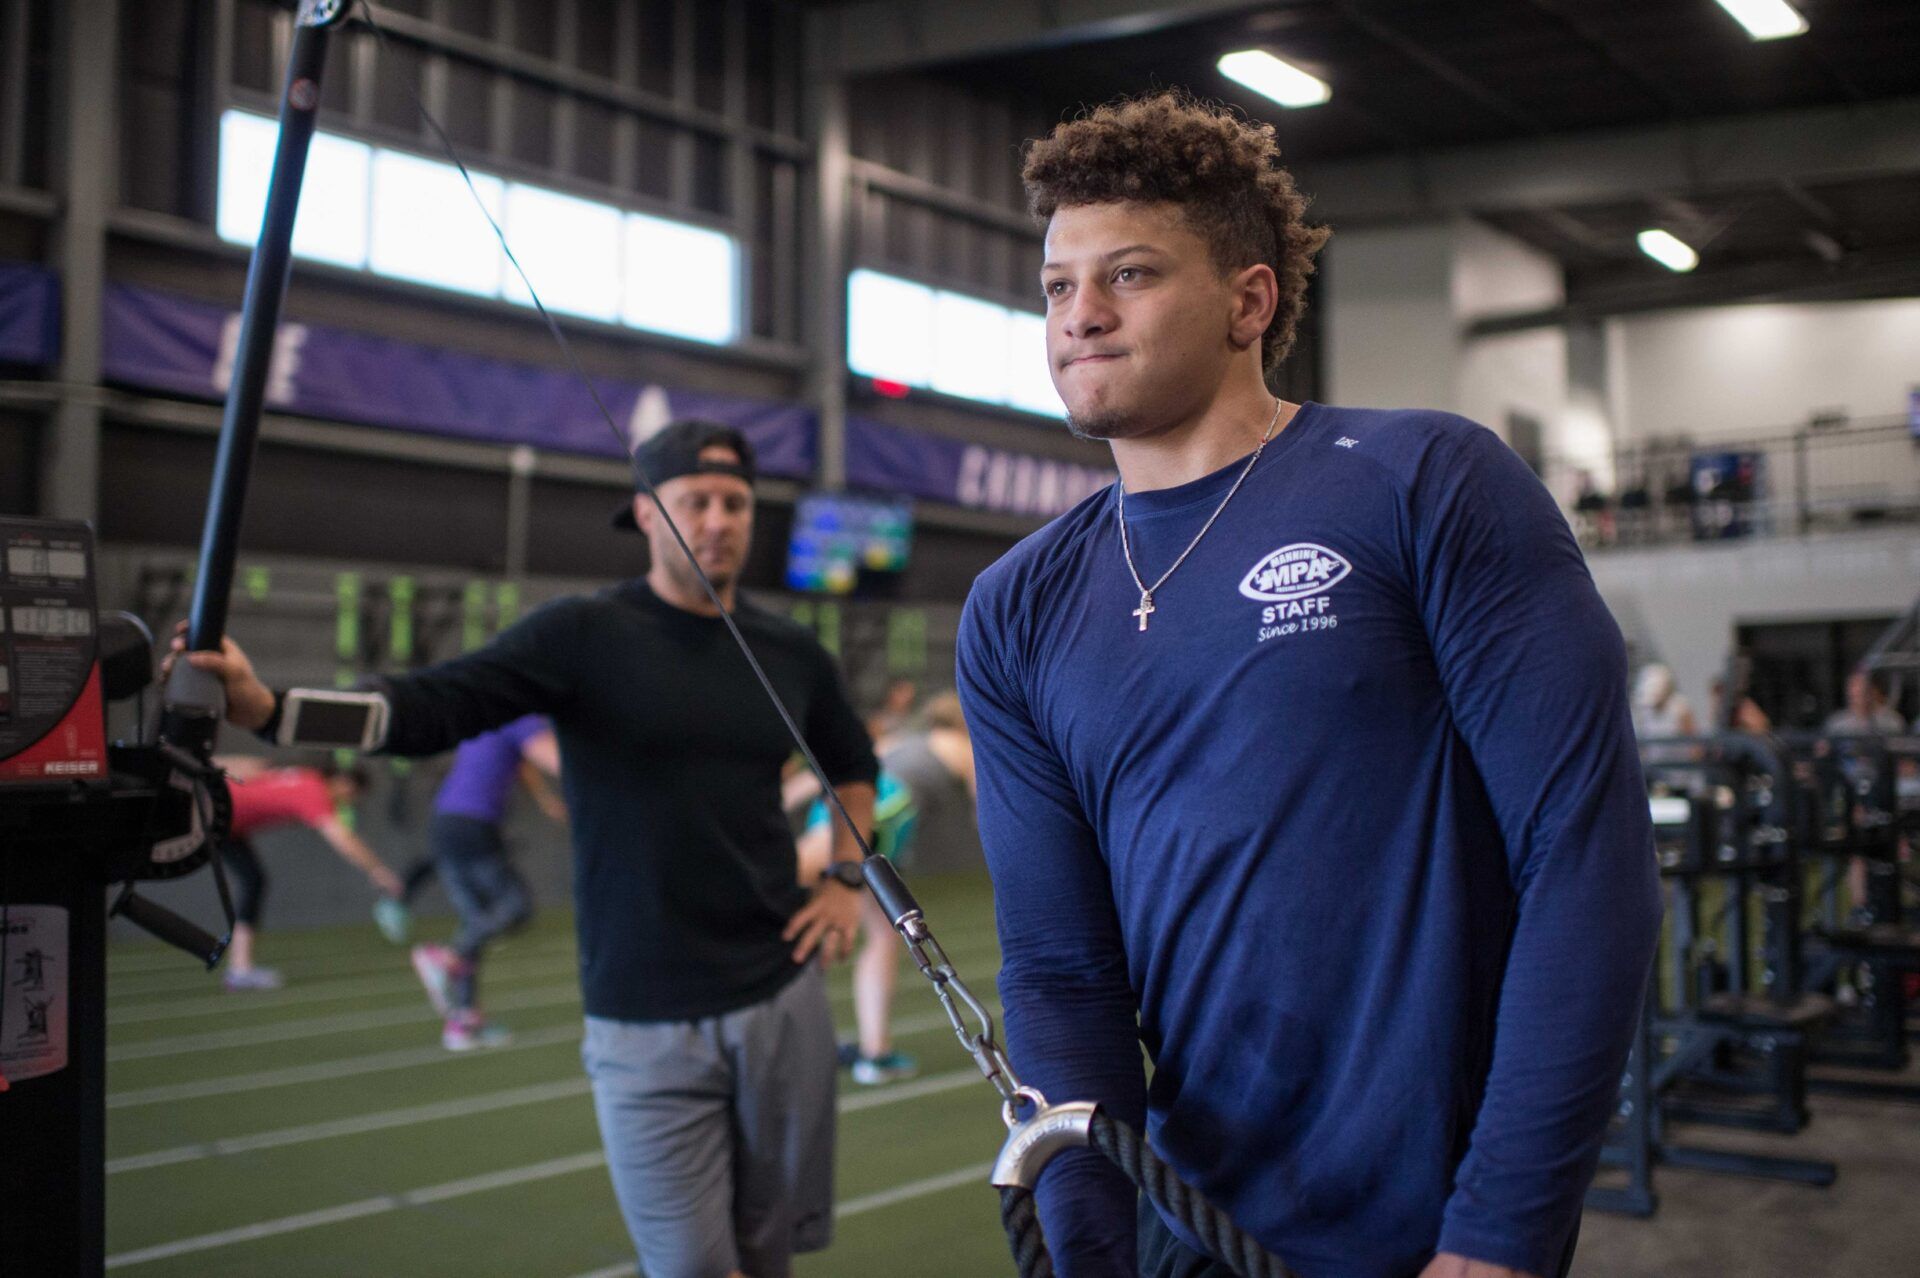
[331, 225]
[411, 218]
[570, 248]
[969, 348]
[680, 279]
[958, 345]
[1029, 376]
[889, 328]
[427, 229]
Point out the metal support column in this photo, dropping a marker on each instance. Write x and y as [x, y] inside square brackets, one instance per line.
[521, 464]
[86, 43]
[1587, 381]
[825, 251]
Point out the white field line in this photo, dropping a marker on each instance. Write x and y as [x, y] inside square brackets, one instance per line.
[321, 1026]
[513, 1176]
[358, 1125]
[404, 1058]
[350, 1022]
[328, 1071]
[974, 1175]
[190, 978]
[365, 1207]
[401, 980]
[931, 1085]
[462, 1107]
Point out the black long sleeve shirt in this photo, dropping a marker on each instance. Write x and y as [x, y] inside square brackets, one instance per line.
[684, 870]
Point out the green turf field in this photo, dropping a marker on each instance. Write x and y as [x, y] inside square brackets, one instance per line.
[321, 1130]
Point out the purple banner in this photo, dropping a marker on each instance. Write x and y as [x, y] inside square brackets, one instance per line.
[29, 314]
[889, 459]
[162, 341]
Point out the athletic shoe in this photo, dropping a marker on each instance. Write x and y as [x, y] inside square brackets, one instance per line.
[394, 920]
[434, 965]
[469, 1033]
[870, 1071]
[257, 978]
[848, 1053]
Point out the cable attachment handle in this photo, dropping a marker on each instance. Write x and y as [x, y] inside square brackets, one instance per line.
[955, 998]
[1032, 1144]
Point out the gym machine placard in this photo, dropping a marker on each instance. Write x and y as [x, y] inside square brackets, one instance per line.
[53, 726]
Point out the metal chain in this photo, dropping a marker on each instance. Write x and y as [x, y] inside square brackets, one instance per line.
[1126, 548]
[981, 1042]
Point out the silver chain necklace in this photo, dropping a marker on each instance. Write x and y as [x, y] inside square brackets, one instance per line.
[1146, 608]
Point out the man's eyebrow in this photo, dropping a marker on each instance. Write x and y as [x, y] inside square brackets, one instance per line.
[1119, 252]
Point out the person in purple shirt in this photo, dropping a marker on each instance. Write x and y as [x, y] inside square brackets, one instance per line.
[1304, 761]
[471, 858]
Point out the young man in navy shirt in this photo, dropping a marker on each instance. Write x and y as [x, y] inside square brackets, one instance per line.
[1304, 759]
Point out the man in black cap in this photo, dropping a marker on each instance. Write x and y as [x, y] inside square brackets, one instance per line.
[708, 1038]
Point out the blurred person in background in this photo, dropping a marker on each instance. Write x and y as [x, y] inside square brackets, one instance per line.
[269, 798]
[1659, 710]
[470, 856]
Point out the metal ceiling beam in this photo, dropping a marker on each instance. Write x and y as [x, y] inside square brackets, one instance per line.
[1624, 65]
[1824, 236]
[1883, 273]
[900, 35]
[1816, 145]
[1439, 68]
[1572, 229]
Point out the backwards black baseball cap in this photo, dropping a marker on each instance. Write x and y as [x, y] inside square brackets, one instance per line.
[675, 451]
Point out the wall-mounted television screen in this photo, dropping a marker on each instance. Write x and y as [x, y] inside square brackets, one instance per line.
[844, 543]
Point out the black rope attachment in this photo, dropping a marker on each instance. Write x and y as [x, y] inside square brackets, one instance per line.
[1021, 1219]
[1181, 1202]
[1052, 1129]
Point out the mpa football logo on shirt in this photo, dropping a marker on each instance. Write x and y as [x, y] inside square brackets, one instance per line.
[1294, 572]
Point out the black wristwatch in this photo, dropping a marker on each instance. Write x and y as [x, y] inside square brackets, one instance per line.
[850, 874]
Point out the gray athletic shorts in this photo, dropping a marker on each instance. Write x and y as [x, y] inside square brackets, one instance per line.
[719, 1133]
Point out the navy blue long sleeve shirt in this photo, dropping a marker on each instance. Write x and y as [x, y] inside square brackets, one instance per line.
[1352, 837]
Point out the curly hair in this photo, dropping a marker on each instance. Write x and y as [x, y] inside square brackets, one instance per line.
[1220, 169]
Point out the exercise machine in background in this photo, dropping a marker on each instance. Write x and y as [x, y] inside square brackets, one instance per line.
[78, 814]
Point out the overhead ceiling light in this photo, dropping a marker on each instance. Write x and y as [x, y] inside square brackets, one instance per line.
[1282, 81]
[1669, 250]
[1766, 19]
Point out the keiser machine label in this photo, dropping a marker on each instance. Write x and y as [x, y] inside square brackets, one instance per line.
[52, 720]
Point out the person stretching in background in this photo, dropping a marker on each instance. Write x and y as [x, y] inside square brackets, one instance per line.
[470, 855]
[268, 798]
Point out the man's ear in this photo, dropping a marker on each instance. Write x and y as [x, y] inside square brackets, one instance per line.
[643, 514]
[1256, 297]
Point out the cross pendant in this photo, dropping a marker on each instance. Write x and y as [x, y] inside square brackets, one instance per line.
[1145, 609]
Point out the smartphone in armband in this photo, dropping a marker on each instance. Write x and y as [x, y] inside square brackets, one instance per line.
[332, 720]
